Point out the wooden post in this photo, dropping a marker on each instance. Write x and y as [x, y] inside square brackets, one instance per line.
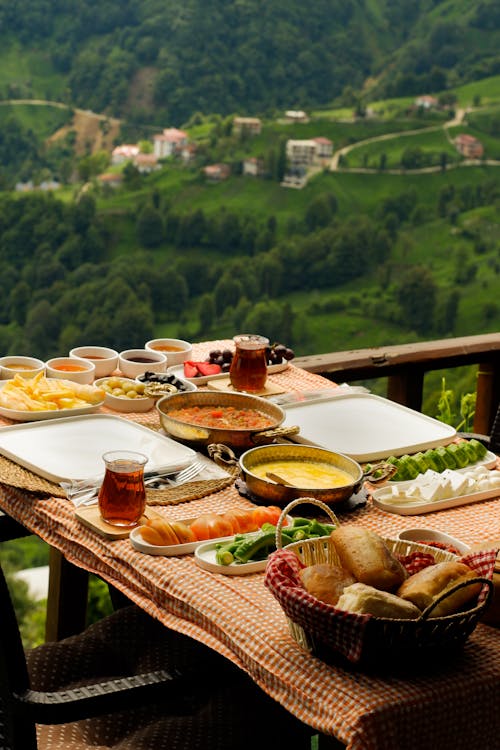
[67, 598]
[487, 397]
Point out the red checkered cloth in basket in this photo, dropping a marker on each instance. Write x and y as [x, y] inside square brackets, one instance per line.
[343, 630]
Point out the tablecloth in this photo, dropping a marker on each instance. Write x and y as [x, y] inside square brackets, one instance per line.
[445, 706]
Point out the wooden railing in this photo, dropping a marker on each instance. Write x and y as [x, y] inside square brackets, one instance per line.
[405, 366]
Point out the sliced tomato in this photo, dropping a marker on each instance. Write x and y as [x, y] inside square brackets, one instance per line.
[211, 526]
[242, 520]
[266, 514]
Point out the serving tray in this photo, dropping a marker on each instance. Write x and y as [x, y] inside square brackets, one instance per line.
[364, 426]
[71, 448]
[178, 371]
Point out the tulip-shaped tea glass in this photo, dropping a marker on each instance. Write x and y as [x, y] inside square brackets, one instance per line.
[122, 496]
[249, 365]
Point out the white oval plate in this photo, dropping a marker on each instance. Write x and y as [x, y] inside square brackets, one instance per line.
[172, 550]
[431, 535]
[204, 556]
[178, 371]
[36, 416]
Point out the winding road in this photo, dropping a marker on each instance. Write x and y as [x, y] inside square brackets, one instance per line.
[457, 120]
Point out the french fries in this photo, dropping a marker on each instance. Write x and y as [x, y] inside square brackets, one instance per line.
[47, 394]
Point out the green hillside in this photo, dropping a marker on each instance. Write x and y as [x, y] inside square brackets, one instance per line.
[162, 62]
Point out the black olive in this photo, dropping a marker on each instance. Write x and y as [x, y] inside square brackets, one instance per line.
[227, 355]
[280, 349]
[289, 354]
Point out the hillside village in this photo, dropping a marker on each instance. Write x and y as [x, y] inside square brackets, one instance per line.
[304, 157]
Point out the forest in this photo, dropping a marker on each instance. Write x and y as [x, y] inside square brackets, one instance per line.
[163, 61]
[210, 273]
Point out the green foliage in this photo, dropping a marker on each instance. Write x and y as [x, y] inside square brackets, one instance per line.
[447, 408]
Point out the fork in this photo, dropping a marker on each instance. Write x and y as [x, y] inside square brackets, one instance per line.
[174, 480]
[177, 479]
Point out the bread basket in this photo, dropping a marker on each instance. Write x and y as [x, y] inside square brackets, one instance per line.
[337, 636]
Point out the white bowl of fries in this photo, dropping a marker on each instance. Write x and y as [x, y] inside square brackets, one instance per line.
[27, 400]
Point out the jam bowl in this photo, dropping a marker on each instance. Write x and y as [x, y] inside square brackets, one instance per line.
[71, 368]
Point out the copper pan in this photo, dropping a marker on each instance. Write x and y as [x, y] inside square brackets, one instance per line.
[198, 436]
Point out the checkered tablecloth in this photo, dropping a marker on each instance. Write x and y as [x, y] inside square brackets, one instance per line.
[446, 707]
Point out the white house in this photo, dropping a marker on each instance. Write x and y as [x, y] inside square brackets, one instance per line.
[123, 153]
[301, 152]
[253, 166]
[170, 142]
[296, 115]
[250, 125]
[146, 163]
[324, 148]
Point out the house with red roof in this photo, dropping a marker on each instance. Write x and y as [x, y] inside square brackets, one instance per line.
[469, 146]
[169, 143]
[217, 172]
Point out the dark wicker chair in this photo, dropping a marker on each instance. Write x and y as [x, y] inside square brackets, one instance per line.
[491, 441]
[129, 683]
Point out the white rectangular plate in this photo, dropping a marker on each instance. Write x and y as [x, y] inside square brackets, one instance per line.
[419, 507]
[365, 427]
[71, 448]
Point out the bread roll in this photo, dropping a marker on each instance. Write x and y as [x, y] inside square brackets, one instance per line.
[326, 582]
[366, 556]
[424, 587]
[367, 600]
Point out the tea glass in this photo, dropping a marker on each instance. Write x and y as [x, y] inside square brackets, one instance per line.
[248, 371]
[122, 496]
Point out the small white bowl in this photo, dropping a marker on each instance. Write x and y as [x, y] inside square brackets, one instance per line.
[71, 368]
[124, 403]
[431, 535]
[185, 385]
[176, 350]
[105, 360]
[28, 367]
[134, 362]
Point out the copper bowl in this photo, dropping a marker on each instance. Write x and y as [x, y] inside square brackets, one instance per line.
[281, 494]
[197, 435]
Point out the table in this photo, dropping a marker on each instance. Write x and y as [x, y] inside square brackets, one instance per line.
[454, 707]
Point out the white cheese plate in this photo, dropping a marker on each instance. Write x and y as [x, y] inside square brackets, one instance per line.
[415, 508]
[71, 449]
[364, 426]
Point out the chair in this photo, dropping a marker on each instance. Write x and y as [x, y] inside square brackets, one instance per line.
[491, 441]
[129, 683]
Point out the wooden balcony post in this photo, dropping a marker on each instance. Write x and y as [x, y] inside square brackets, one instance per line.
[487, 396]
[407, 388]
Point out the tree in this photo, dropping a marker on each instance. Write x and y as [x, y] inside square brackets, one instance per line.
[206, 313]
[416, 295]
[149, 227]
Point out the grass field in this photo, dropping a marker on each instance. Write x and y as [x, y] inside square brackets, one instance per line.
[29, 74]
[41, 119]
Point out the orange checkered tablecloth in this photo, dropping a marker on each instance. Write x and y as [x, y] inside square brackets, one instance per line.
[448, 707]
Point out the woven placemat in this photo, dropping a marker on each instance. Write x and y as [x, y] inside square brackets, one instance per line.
[17, 476]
